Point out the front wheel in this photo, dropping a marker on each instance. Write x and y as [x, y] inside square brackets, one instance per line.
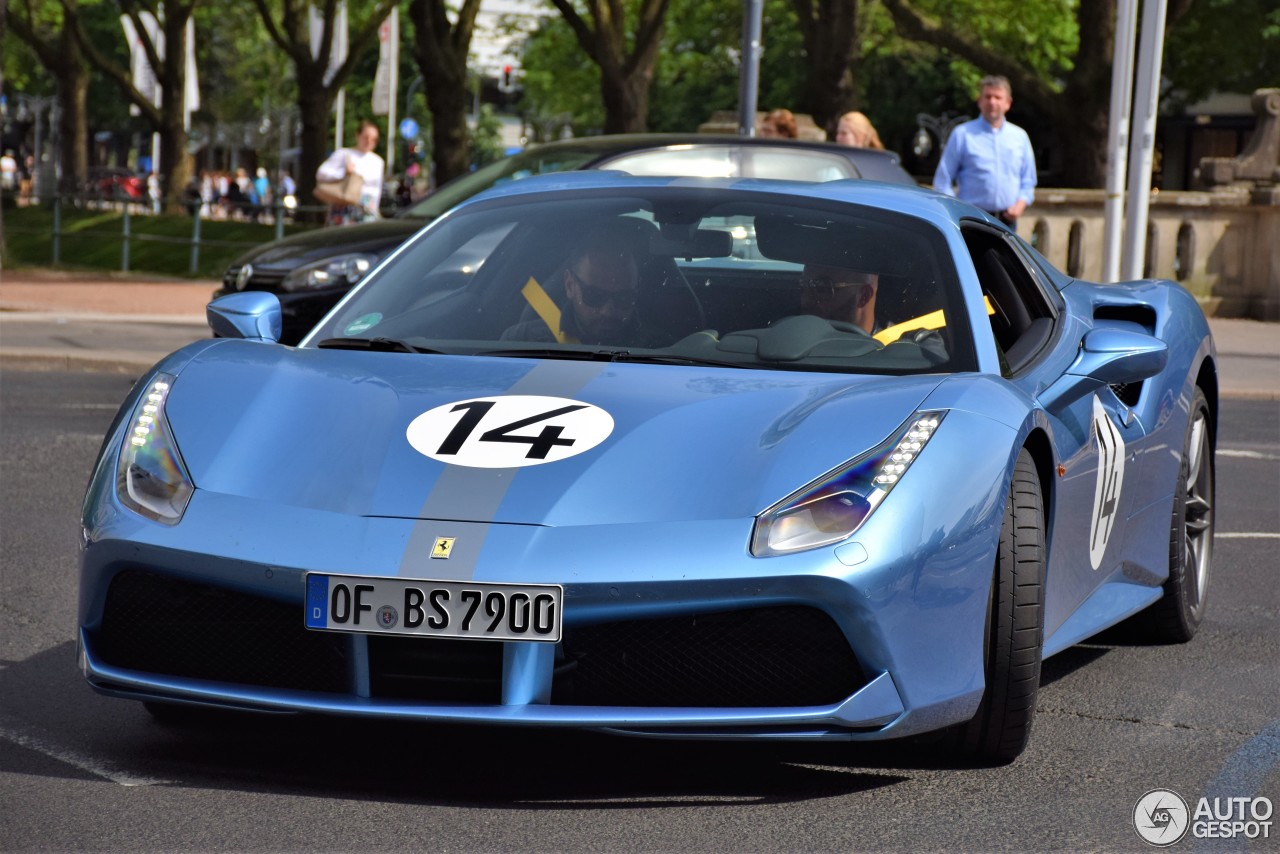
[1176, 616]
[1015, 627]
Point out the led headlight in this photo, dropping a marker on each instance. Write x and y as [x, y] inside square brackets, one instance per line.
[831, 508]
[339, 270]
[151, 478]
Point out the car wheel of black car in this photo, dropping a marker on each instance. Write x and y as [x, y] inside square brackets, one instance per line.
[1175, 617]
[1015, 627]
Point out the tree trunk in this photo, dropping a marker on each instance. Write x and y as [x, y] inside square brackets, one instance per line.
[314, 106]
[73, 125]
[440, 49]
[626, 103]
[829, 28]
[625, 74]
[450, 139]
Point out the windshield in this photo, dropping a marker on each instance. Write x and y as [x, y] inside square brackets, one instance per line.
[664, 274]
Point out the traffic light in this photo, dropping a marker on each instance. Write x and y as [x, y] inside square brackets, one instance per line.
[504, 82]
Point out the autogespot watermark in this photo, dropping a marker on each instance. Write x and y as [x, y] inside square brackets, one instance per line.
[1162, 818]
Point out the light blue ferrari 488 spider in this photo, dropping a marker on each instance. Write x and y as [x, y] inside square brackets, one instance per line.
[669, 457]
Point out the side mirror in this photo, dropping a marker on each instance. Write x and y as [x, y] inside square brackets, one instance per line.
[252, 315]
[1108, 357]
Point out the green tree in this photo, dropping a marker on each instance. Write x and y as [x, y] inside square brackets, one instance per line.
[696, 73]
[560, 90]
[42, 26]
[486, 141]
[1224, 46]
[168, 119]
[288, 25]
[830, 31]
[440, 48]
[622, 40]
[1056, 55]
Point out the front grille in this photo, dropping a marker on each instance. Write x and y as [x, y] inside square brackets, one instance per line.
[458, 671]
[261, 280]
[158, 624]
[774, 657]
[780, 656]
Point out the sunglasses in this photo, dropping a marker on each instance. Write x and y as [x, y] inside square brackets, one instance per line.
[597, 297]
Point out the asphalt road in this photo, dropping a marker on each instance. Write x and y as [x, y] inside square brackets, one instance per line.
[83, 772]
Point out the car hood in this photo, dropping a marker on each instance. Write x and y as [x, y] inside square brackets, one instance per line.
[328, 430]
[377, 238]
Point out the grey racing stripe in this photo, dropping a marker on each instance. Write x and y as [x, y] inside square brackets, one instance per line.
[474, 494]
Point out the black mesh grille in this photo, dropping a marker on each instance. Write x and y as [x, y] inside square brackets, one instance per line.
[1129, 393]
[157, 624]
[783, 656]
[456, 671]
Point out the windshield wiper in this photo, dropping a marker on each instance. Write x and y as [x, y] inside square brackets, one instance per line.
[548, 353]
[381, 345]
[610, 356]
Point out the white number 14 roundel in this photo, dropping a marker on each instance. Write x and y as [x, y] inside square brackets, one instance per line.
[508, 431]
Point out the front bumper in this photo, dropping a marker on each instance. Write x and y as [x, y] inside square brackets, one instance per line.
[210, 612]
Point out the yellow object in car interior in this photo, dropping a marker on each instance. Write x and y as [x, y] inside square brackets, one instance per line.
[932, 320]
[546, 309]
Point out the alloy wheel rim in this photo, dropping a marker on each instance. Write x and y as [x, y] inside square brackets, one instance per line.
[1198, 510]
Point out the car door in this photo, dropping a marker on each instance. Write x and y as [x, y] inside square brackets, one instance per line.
[1097, 440]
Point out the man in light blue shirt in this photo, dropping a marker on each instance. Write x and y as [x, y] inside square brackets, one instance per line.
[989, 160]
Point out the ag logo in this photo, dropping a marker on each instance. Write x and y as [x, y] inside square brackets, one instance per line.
[1161, 817]
[508, 432]
[1106, 497]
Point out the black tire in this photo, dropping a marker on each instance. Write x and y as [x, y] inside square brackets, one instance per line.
[1175, 616]
[1015, 627]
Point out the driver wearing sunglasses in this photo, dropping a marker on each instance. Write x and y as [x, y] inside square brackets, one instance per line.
[839, 293]
[601, 284]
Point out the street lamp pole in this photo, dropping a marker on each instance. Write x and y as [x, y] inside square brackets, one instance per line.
[749, 72]
[38, 104]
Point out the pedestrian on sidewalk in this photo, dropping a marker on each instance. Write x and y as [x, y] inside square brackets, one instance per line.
[988, 161]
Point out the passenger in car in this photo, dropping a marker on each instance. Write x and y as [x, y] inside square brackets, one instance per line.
[840, 294]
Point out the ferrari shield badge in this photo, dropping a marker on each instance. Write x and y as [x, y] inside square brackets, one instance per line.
[442, 549]
[1106, 495]
[509, 431]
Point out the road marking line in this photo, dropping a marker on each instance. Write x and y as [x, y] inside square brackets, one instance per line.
[74, 759]
[1247, 455]
[1247, 535]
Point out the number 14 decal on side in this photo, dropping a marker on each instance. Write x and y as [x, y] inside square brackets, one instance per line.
[508, 431]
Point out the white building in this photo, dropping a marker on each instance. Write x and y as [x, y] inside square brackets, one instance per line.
[501, 27]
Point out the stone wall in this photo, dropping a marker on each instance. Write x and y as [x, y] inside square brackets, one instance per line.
[1222, 245]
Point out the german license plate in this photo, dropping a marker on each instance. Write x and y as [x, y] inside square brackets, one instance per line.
[448, 609]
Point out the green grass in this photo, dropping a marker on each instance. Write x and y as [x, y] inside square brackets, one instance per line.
[159, 245]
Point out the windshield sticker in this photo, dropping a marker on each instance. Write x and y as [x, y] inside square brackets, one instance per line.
[509, 432]
[1106, 496]
[363, 324]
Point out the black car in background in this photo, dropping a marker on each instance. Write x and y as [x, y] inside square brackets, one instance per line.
[311, 271]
